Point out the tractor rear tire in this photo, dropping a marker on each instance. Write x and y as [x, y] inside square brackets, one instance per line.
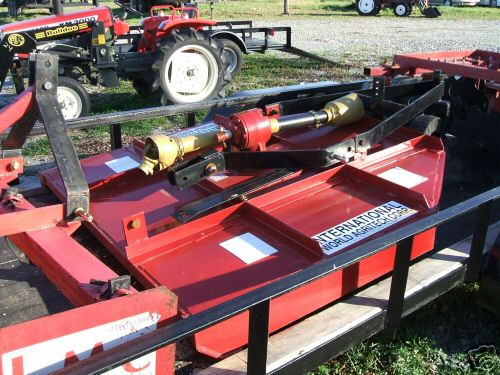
[189, 67]
[368, 7]
[73, 98]
[425, 124]
[234, 57]
[402, 9]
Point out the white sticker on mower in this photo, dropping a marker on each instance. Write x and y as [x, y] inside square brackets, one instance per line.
[248, 248]
[217, 177]
[122, 164]
[362, 226]
[48, 356]
[403, 177]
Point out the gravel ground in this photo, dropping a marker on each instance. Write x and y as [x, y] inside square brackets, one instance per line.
[371, 39]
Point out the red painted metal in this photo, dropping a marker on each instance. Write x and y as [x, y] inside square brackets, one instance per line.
[157, 26]
[102, 14]
[250, 129]
[19, 219]
[483, 66]
[10, 168]
[46, 240]
[188, 258]
[475, 64]
[56, 341]
[24, 103]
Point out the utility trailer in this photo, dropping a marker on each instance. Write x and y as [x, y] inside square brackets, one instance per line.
[174, 56]
[473, 90]
[300, 179]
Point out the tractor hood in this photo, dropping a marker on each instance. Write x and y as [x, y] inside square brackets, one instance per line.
[102, 14]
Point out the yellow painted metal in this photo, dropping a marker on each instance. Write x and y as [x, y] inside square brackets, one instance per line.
[162, 151]
[344, 110]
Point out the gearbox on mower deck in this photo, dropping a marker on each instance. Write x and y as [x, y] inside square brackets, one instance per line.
[275, 190]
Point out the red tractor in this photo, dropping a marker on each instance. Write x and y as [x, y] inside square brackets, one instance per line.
[168, 56]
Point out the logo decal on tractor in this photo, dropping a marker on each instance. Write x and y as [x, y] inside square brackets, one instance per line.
[61, 30]
[16, 40]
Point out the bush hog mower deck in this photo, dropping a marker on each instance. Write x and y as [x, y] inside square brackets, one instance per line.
[256, 196]
[173, 55]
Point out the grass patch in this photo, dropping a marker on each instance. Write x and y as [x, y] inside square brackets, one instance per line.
[265, 9]
[437, 339]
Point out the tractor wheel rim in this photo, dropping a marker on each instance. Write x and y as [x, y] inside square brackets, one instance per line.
[366, 6]
[206, 61]
[70, 102]
[400, 10]
[232, 57]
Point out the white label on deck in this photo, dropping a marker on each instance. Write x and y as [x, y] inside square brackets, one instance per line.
[122, 164]
[248, 248]
[362, 226]
[403, 177]
[217, 177]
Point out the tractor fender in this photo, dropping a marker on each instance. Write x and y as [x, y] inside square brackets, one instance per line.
[194, 23]
[222, 34]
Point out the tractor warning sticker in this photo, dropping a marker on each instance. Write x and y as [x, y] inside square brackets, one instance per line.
[68, 29]
[362, 226]
[16, 40]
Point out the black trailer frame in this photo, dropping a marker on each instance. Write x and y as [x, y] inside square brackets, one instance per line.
[245, 35]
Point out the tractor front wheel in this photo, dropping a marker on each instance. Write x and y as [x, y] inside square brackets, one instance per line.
[73, 98]
[190, 67]
[368, 7]
[402, 9]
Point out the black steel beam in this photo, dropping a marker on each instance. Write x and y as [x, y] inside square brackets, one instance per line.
[398, 286]
[478, 240]
[258, 337]
[77, 190]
